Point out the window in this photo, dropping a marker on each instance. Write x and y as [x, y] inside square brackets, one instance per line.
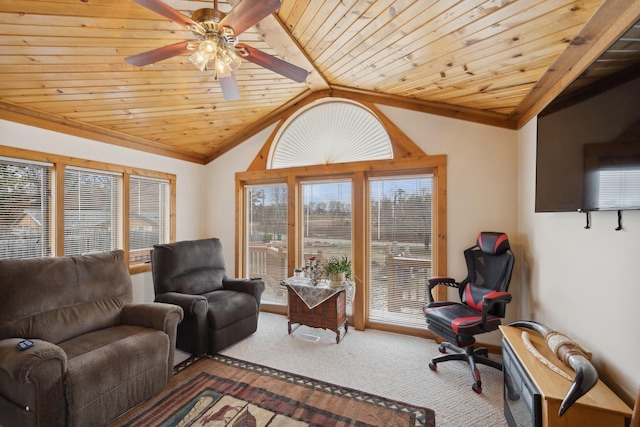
[362, 192]
[399, 248]
[326, 220]
[148, 216]
[266, 226]
[329, 131]
[92, 215]
[54, 205]
[25, 211]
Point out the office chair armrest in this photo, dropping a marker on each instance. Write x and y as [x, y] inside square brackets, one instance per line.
[432, 282]
[491, 299]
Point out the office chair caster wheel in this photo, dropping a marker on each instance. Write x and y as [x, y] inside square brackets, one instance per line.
[442, 349]
[477, 388]
[433, 366]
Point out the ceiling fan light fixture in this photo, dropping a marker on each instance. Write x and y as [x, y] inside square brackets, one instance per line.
[207, 50]
[216, 45]
[226, 62]
[199, 60]
[216, 54]
[230, 59]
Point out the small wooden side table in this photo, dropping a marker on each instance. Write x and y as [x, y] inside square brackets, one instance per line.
[317, 307]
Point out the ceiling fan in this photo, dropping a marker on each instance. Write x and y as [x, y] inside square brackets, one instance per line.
[216, 46]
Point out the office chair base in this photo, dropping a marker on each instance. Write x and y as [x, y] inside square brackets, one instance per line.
[470, 355]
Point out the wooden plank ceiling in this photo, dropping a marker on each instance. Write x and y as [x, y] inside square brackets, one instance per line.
[497, 62]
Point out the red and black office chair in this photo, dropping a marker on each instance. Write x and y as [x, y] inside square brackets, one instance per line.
[483, 296]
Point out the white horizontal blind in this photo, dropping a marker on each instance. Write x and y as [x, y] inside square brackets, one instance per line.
[331, 132]
[266, 211]
[25, 209]
[91, 211]
[619, 187]
[148, 216]
[326, 221]
[400, 248]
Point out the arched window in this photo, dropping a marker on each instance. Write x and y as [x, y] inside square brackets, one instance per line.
[330, 132]
[337, 178]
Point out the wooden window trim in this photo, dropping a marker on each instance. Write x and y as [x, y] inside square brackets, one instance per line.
[60, 162]
[359, 173]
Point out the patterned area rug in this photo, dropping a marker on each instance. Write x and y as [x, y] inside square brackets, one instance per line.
[222, 391]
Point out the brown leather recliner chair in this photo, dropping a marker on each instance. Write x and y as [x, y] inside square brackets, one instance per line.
[96, 354]
[218, 311]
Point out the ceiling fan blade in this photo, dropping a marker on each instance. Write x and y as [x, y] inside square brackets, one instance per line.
[152, 56]
[168, 12]
[272, 63]
[229, 87]
[249, 12]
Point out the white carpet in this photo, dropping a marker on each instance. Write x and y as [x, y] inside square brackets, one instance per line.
[382, 363]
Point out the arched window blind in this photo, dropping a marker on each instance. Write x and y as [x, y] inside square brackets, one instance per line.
[331, 132]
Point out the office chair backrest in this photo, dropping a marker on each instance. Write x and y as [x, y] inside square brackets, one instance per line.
[489, 267]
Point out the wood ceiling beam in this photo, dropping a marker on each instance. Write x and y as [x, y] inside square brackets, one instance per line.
[18, 114]
[275, 33]
[468, 114]
[438, 108]
[606, 25]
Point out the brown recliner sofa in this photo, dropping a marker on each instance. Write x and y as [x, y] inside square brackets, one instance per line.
[218, 310]
[96, 354]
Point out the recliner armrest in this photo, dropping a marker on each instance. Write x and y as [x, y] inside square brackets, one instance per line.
[191, 304]
[254, 287]
[159, 316]
[19, 364]
[432, 282]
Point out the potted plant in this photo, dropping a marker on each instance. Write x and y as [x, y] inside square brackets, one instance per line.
[337, 270]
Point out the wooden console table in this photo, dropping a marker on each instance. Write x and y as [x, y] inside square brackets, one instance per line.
[317, 307]
[599, 407]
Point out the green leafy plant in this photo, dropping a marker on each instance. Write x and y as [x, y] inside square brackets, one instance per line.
[336, 265]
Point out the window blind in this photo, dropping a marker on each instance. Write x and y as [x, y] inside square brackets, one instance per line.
[399, 248]
[326, 221]
[148, 216]
[25, 209]
[92, 211]
[266, 245]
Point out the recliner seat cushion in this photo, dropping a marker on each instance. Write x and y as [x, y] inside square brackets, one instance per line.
[113, 369]
[229, 307]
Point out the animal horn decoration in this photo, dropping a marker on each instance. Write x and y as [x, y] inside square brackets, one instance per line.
[571, 355]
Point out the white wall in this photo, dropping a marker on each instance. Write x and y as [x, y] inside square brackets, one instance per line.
[189, 177]
[220, 193]
[481, 184]
[582, 282]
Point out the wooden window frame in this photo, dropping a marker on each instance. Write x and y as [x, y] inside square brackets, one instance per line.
[359, 173]
[57, 180]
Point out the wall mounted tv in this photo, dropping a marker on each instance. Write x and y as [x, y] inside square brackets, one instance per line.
[588, 148]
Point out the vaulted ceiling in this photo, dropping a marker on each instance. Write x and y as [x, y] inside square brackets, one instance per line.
[497, 62]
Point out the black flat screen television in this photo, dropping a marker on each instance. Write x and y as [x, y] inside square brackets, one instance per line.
[588, 149]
